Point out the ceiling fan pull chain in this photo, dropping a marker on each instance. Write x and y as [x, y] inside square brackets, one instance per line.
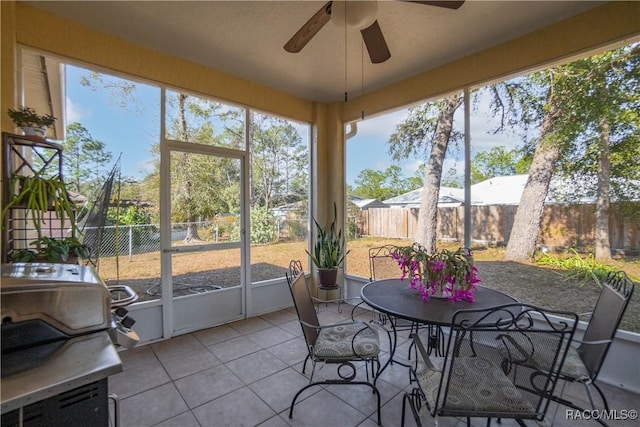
[362, 73]
[346, 96]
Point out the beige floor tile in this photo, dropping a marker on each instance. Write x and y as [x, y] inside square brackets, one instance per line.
[239, 408]
[215, 335]
[278, 390]
[138, 377]
[269, 337]
[249, 325]
[255, 366]
[186, 419]
[280, 317]
[293, 327]
[151, 407]
[176, 346]
[205, 386]
[276, 421]
[190, 363]
[324, 409]
[290, 352]
[234, 349]
[218, 395]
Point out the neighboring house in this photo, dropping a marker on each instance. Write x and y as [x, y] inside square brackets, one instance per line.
[363, 203]
[295, 209]
[448, 197]
[507, 190]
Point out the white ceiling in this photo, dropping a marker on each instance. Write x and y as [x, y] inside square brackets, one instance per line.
[246, 38]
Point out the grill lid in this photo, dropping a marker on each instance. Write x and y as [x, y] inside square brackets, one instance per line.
[71, 298]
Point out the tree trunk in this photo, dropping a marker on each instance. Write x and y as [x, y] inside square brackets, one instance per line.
[428, 215]
[526, 224]
[192, 227]
[602, 244]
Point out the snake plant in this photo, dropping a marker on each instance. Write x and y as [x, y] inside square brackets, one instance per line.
[328, 251]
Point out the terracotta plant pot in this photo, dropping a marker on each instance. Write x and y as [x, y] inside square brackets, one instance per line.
[328, 277]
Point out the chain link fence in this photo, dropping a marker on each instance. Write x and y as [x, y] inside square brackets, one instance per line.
[128, 240]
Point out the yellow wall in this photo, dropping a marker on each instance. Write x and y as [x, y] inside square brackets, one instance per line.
[7, 56]
[50, 33]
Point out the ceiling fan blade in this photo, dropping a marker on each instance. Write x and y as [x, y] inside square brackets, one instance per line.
[309, 29]
[442, 3]
[376, 44]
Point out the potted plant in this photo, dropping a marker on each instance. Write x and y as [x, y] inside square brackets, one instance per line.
[22, 255]
[31, 122]
[328, 252]
[68, 250]
[444, 274]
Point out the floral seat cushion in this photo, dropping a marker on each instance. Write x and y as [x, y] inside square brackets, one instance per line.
[346, 342]
[573, 367]
[477, 386]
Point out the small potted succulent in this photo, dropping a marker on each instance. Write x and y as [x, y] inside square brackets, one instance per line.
[31, 122]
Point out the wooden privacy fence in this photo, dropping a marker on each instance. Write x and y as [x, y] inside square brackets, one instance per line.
[563, 226]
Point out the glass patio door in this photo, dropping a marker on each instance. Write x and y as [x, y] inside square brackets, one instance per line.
[203, 237]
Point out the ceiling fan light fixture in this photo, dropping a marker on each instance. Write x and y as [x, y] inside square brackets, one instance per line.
[359, 14]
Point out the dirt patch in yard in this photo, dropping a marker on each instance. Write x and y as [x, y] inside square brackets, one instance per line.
[527, 282]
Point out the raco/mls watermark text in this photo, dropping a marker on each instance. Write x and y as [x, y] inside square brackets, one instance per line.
[598, 414]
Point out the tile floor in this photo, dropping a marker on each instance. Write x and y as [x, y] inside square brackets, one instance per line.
[246, 373]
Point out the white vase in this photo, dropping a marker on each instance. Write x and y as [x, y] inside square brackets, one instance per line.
[34, 131]
[441, 293]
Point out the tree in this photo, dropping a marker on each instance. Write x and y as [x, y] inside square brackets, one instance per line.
[429, 126]
[278, 159]
[382, 185]
[202, 185]
[498, 162]
[97, 156]
[452, 179]
[606, 99]
[84, 159]
[583, 104]
[528, 217]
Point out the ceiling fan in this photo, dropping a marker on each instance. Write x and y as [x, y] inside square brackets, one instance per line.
[361, 14]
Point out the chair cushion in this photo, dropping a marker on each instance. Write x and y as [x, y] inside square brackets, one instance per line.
[339, 342]
[477, 386]
[573, 366]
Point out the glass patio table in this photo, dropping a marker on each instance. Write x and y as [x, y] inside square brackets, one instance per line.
[394, 298]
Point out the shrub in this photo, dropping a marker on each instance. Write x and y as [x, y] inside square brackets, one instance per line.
[577, 267]
[297, 229]
[263, 227]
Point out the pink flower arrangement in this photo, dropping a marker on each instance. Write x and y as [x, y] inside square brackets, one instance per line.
[447, 273]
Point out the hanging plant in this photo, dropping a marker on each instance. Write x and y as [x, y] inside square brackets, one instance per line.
[38, 195]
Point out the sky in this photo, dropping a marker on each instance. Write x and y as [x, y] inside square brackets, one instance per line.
[132, 130]
[137, 125]
[369, 148]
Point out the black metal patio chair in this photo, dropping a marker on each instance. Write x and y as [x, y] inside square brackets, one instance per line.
[482, 374]
[381, 266]
[342, 344]
[585, 360]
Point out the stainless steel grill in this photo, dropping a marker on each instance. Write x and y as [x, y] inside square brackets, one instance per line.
[56, 345]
